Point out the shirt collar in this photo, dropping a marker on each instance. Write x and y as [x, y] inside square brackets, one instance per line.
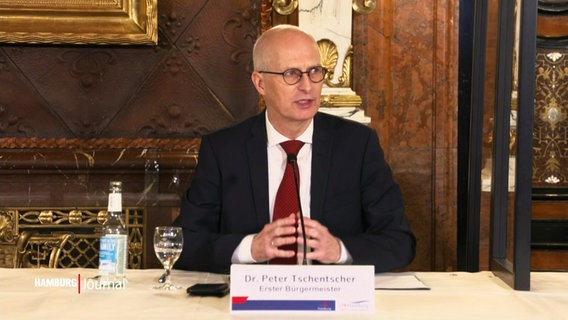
[275, 138]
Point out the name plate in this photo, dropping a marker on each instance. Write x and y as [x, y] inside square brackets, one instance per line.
[317, 288]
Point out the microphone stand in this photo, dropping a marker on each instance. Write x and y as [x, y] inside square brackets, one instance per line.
[294, 163]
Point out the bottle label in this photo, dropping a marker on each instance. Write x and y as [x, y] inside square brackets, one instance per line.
[115, 202]
[112, 255]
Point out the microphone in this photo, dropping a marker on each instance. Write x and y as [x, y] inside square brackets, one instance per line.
[292, 160]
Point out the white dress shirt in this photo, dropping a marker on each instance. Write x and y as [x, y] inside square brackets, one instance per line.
[277, 159]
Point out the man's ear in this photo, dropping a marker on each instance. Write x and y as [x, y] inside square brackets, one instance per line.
[258, 82]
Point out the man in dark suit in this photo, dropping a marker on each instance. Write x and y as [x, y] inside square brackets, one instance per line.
[352, 206]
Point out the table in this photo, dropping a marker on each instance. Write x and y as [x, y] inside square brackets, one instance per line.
[453, 295]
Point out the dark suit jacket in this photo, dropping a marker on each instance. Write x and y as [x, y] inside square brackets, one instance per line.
[352, 193]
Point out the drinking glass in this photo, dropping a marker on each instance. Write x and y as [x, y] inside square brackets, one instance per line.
[168, 243]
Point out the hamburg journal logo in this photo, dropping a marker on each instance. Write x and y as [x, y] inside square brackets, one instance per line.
[79, 284]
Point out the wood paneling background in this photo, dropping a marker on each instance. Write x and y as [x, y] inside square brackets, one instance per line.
[196, 80]
[74, 117]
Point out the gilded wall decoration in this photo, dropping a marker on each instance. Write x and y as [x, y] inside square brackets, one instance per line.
[62, 237]
[550, 168]
[329, 56]
[79, 21]
[285, 7]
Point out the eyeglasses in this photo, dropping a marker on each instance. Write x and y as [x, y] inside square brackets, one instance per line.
[293, 75]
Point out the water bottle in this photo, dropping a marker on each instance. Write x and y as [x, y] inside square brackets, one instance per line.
[114, 244]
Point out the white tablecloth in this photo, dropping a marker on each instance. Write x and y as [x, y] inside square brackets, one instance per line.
[455, 295]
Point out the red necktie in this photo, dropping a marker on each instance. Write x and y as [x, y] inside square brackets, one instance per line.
[286, 201]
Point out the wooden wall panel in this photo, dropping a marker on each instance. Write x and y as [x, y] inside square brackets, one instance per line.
[197, 79]
[73, 117]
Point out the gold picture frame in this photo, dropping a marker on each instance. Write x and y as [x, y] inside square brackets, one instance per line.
[123, 22]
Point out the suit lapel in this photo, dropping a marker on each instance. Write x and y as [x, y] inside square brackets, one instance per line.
[321, 158]
[258, 166]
